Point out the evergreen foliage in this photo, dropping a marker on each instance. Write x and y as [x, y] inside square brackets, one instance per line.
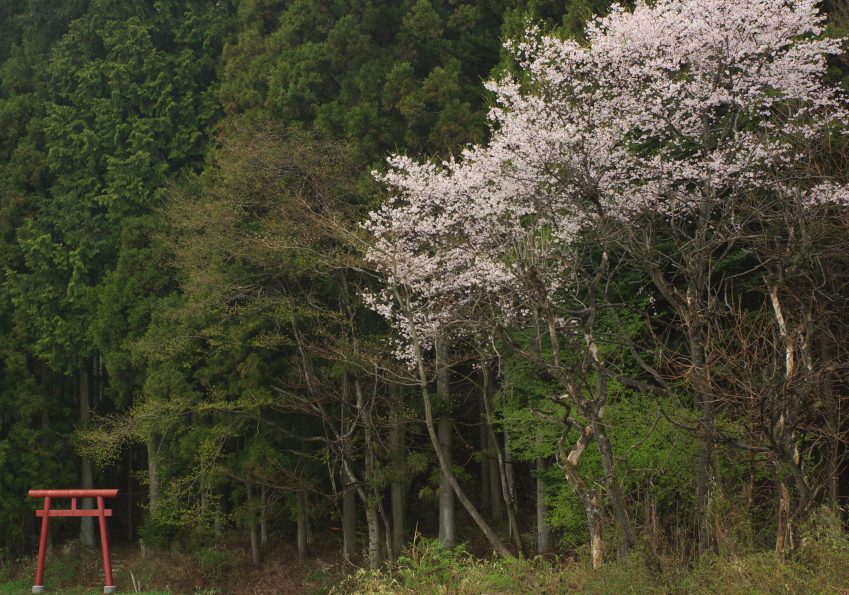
[187, 300]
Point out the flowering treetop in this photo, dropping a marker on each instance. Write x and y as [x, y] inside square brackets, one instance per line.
[677, 107]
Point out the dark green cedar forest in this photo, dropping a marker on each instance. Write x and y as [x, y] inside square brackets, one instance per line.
[181, 312]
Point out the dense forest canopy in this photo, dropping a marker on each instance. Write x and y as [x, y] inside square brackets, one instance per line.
[594, 300]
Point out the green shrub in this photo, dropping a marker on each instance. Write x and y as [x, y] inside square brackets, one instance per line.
[825, 548]
[820, 566]
[155, 533]
[429, 564]
[625, 577]
[764, 573]
[215, 561]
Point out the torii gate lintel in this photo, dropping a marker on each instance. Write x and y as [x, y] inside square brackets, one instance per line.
[48, 511]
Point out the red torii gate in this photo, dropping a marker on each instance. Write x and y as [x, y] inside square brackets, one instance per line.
[101, 512]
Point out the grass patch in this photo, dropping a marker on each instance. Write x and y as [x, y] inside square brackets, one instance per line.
[19, 588]
[819, 567]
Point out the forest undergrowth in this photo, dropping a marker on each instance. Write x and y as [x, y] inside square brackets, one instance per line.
[819, 564]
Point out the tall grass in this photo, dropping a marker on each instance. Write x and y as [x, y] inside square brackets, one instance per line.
[818, 566]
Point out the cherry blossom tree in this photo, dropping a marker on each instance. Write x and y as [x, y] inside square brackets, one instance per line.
[656, 139]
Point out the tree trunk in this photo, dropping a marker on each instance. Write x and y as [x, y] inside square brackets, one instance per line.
[504, 473]
[389, 537]
[447, 509]
[434, 437]
[591, 508]
[45, 412]
[256, 555]
[833, 420]
[399, 467]
[375, 558]
[596, 542]
[399, 493]
[218, 524]
[303, 552]
[834, 472]
[349, 497]
[783, 519]
[569, 464]
[705, 460]
[545, 539]
[372, 517]
[509, 481]
[617, 503]
[491, 437]
[364, 410]
[349, 518]
[496, 498]
[152, 476]
[130, 502]
[608, 459]
[87, 525]
[486, 499]
[47, 376]
[263, 516]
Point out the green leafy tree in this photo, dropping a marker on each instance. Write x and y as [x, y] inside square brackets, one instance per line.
[260, 242]
[35, 426]
[380, 75]
[131, 106]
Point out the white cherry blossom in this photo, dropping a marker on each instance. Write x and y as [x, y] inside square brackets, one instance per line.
[666, 108]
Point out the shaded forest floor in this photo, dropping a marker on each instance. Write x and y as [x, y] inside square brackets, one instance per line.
[225, 569]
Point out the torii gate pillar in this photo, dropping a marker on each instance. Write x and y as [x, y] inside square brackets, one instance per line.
[101, 512]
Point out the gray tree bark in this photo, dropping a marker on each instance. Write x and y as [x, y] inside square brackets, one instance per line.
[545, 538]
[375, 554]
[445, 429]
[152, 475]
[834, 416]
[444, 465]
[399, 464]
[303, 552]
[503, 470]
[496, 499]
[483, 426]
[349, 518]
[510, 478]
[256, 554]
[263, 516]
[87, 475]
[45, 410]
[130, 501]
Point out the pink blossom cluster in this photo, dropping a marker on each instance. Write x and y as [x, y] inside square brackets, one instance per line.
[669, 107]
